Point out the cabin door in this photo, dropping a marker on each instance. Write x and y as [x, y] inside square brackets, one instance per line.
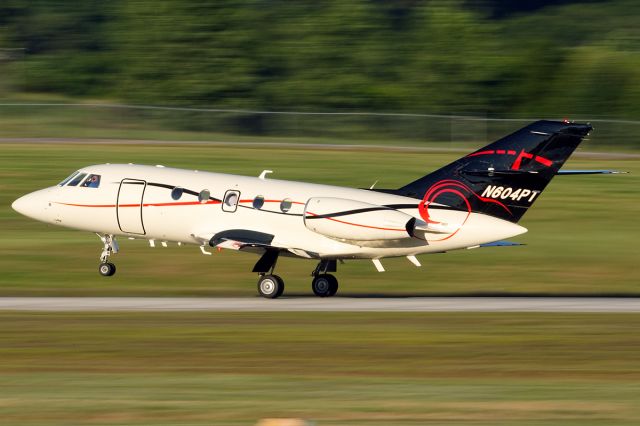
[129, 206]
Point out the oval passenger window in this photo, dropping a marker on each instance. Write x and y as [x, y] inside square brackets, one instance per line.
[176, 193]
[285, 205]
[204, 196]
[258, 202]
[232, 199]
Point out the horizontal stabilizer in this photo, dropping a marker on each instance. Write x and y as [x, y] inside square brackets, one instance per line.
[590, 172]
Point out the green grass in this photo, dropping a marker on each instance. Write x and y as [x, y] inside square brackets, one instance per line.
[583, 231]
[337, 369]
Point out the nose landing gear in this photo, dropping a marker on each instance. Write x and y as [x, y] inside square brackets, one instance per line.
[107, 268]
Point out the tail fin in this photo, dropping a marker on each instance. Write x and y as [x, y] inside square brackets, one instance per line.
[504, 178]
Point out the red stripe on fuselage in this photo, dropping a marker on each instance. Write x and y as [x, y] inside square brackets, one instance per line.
[171, 204]
[97, 205]
[194, 203]
[359, 225]
[184, 203]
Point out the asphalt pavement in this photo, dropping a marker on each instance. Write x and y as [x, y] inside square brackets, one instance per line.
[314, 304]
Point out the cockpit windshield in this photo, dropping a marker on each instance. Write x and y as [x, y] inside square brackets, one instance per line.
[92, 181]
[71, 176]
[77, 179]
[84, 180]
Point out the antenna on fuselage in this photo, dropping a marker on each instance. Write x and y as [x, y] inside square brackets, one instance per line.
[264, 174]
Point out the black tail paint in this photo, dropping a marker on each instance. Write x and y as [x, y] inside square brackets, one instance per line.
[504, 178]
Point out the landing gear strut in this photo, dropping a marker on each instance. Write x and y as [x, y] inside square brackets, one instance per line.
[107, 268]
[323, 284]
[270, 286]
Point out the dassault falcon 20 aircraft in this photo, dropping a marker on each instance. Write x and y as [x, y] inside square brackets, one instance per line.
[475, 201]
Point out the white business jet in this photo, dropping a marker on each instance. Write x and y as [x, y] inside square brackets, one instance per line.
[475, 201]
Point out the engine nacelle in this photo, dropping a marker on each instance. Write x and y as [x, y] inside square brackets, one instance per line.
[350, 220]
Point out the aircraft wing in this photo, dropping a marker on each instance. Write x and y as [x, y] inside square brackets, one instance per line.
[590, 172]
[254, 241]
[239, 238]
[501, 243]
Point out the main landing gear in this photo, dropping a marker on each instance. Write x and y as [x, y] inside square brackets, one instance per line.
[323, 284]
[271, 286]
[107, 268]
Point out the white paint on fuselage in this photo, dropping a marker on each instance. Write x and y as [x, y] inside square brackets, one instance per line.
[94, 209]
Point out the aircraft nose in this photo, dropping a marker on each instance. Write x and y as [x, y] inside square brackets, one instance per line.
[33, 205]
[21, 205]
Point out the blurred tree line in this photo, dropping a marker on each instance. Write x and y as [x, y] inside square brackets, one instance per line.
[419, 56]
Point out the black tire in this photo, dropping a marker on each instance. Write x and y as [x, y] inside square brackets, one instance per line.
[270, 286]
[281, 286]
[322, 285]
[334, 285]
[107, 269]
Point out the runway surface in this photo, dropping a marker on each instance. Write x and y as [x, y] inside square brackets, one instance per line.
[314, 304]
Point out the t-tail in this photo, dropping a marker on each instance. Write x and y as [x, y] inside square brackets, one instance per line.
[504, 178]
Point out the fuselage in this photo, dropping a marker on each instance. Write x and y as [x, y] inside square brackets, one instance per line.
[190, 207]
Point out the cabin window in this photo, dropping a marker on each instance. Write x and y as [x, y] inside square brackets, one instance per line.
[285, 205]
[230, 202]
[204, 196]
[92, 181]
[71, 176]
[258, 202]
[76, 180]
[176, 193]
